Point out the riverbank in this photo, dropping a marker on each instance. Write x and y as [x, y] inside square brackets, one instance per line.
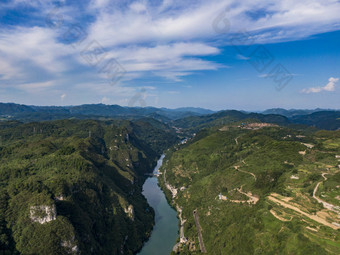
[171, 193]
[165, 231]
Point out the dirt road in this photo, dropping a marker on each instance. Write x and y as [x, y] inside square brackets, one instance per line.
[324, 203]
[312, 217]
[237, 168]
[200, 238]
[252, 199]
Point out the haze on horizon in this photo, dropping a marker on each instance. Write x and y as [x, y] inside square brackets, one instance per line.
[249, 55]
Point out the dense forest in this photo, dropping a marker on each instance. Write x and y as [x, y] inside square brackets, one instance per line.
[74, 186]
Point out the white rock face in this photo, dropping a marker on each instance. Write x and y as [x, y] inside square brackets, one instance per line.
[70, 245]
[60, 198]
[172, 190]
[43, 213]
[130, 212]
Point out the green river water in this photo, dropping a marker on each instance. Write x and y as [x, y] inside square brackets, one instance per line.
[165, 231]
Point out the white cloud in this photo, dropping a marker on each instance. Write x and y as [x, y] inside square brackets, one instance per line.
[99, 4]
[62, 97]
[169, 39]
[22, 49]
[269, 75]
[241, 57]
[36, 87]
[284, 20]
[165, 5]
[105, 100]
[185, 29]
[329, 87]
[170, 61]
[138, 7]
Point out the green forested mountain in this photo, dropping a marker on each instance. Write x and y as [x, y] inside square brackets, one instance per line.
[329, 120]
[189, 118]
[256, 189]
[74, 186]
[292, 112]
[94, 111]
[196, 123]
[246, 183]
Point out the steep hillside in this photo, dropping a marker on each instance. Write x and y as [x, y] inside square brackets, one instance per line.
[329, 120]
[256, 189]
[70, 187]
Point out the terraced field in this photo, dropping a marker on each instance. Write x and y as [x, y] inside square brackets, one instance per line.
[256, 192]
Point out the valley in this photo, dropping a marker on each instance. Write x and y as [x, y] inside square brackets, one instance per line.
[239, 185]
[75, 186]
[169, 127]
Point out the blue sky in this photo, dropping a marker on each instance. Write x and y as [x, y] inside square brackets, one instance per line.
[217, 54]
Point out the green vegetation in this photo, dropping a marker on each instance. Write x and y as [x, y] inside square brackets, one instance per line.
[196, 123]
[92, 111]
[323, 119]
[266, 163]
[260, 184]
[74, 186]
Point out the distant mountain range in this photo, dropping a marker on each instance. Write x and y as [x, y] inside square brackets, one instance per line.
[186, 117]
[329, 120]
[37, 113]
[293, 112]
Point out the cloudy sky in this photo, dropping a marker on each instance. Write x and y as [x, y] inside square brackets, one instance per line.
[217, 54]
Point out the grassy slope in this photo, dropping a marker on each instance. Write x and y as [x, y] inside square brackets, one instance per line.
[205, 167]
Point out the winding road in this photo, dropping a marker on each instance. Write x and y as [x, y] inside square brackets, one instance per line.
[325, 204]
[237, 168]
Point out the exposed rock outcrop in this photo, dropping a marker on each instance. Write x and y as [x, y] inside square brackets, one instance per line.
[43, 213]
[71, 246]
[130, 212]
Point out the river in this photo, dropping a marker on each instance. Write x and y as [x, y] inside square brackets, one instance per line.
[165, 232]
